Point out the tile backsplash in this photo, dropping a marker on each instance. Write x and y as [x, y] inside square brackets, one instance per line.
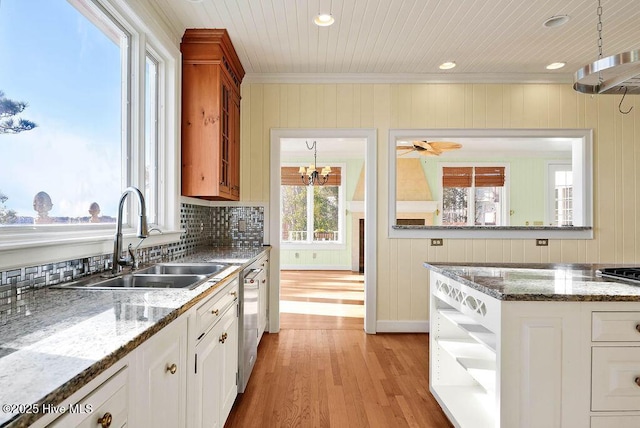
[218, 226]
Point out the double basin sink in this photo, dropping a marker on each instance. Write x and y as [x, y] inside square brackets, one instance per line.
[160, 276]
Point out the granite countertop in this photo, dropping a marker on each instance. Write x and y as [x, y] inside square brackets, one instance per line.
[540, 282]
[69, 336]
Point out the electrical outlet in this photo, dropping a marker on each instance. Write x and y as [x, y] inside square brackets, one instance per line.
[542, 242]
[436, 242]
[242, 225]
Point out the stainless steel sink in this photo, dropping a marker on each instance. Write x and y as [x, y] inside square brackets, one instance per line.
[159, 276]
[139, 281]
[184, 269]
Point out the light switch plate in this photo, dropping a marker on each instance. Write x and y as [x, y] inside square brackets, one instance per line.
[242, 225]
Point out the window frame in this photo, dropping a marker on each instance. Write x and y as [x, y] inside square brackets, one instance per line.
[505, 203]
[552, 168]
[34, 244]
[340, 244]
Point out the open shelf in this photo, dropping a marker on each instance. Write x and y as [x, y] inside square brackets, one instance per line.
[480, 333]
[475, 358]
[467, 406]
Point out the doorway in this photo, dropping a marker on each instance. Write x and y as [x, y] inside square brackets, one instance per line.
[281, 252]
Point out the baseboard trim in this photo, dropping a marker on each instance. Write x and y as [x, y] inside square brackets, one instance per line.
[402, 327]
[315, 267]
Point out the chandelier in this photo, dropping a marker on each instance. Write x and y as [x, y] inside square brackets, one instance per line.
[310, 175]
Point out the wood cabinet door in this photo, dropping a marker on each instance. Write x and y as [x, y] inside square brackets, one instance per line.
[202, 124]
[226, 135]
[235, 147]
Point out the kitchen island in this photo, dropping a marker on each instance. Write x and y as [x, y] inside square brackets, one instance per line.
[70, 337]
[544, 345]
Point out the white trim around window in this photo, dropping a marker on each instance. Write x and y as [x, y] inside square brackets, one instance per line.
[340, 244]
[29, 246]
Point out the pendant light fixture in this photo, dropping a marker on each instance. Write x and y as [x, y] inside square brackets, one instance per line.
[310, 176]
[615, 74]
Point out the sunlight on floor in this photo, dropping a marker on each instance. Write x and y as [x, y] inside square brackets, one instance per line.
[326, 309]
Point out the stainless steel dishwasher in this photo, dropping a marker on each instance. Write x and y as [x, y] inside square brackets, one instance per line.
[248, 328]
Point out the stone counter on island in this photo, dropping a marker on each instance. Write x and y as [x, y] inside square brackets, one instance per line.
[534, 345]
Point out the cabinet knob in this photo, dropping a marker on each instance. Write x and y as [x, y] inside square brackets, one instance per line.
[105, 420]
[264, 280]
[637, 381]
[172, 368]
[215, 312]
[223, 338]
[638, 328]
[234, 294]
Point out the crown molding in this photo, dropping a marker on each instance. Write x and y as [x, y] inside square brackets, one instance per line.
[408, 78]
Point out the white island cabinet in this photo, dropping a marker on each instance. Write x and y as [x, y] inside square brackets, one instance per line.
[513, 347]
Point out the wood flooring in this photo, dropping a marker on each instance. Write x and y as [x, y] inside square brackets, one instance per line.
[324, 371]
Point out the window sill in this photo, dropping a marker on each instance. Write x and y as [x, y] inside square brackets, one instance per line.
[313, 246]
[491, 232]
[39, 249]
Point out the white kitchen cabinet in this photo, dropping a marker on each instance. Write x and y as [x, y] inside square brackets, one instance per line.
[106, 405]
[161, 385]
[185, 375]
[213, 383]
[533, 363]
[263, 297]
[500, 363]
[229, 362]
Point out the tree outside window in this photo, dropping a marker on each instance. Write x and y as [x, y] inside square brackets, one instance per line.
[473, 196]
[310, 214]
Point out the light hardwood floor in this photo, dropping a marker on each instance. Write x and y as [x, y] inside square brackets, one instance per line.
[322, 370]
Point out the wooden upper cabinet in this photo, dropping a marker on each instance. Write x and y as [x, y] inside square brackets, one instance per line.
[211, 77]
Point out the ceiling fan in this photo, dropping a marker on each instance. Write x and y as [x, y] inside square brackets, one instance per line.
[429, 148]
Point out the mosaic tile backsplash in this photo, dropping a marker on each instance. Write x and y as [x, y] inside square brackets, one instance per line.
[202, 226]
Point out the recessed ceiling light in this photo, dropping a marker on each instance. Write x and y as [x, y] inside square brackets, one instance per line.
[323, 19]
[447, 65]
[556, 65]
[556, 21]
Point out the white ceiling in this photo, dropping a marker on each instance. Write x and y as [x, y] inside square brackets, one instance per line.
[406, 40]
[327, 148]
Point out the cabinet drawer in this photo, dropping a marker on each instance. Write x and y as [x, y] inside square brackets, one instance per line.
[615, 421]
[615, 326]
[613, 378]
[212, 310]
[109, 399]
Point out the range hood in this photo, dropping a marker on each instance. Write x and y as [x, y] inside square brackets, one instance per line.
[616, 74]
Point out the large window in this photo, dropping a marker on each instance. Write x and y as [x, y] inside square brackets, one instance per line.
[311, 214]
[473, 196]
[88, 96]
[68, 169]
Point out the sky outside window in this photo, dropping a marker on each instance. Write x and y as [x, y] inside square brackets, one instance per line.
[69, 73]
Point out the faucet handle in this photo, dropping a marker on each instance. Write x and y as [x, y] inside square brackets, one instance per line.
[132, 253]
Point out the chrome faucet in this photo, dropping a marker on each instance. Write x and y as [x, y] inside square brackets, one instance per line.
[142, 231]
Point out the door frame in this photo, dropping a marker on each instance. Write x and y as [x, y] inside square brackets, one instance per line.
[370, 270]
